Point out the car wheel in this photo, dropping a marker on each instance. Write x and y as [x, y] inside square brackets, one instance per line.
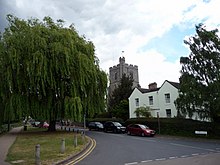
[142, 134]
[114, 130]
[129, 133]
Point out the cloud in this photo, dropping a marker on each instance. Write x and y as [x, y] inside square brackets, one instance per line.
[115, 26]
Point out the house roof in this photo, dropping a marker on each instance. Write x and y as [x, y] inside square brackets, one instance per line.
[175, 84]
[144, 90]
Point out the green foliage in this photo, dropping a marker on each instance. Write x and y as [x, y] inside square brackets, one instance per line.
[118, 104]
[121, 110]
[143, 112]
[48, 71]
[200, 79]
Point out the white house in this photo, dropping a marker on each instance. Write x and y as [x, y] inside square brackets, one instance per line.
[160, 100]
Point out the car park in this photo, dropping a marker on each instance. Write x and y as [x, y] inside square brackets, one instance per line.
[140, 129]
[95, 126]
[116, 127]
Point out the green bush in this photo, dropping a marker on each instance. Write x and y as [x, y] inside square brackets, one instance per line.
[3, 128]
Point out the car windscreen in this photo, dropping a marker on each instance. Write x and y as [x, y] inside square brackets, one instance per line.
[117, 124]
[143, 126]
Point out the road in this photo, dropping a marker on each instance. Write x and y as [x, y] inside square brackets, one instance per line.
[121, 149]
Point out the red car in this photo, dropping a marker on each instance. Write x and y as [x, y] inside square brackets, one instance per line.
[140, 129]
[43, 125]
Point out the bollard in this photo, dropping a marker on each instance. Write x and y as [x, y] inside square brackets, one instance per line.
[62, 149]
[83, 136]
[25, 128]
[37, 154]
[75, 141]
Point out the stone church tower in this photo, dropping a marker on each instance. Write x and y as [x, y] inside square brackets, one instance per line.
[116, 72]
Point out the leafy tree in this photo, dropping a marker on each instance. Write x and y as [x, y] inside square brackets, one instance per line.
[49, 72]
[118, 102]
[200, 79]
[143, 112]
[121, 110]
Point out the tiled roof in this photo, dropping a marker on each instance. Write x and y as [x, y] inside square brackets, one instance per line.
[175, 84]
[144, 90]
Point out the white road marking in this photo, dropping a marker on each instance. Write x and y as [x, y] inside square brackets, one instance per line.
[160, 159]
[145, 161]
[131, 163]
[184, 156]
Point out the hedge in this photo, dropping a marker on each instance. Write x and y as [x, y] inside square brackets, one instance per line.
[178, 126]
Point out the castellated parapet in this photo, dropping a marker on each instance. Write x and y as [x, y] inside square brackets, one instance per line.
[116, 72]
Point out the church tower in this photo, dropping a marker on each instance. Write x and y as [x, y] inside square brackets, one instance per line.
[116, 72]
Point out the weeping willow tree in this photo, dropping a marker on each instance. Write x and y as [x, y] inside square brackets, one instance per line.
[48, 72]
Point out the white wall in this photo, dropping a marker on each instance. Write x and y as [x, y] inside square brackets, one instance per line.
[132, 104]
[173, 91]
[159, 104]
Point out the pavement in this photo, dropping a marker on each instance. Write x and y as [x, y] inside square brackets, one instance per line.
[5, 143]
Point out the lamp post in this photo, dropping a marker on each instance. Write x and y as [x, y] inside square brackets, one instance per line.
[158, 120]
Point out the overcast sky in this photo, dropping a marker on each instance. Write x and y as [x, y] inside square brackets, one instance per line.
[150, 32]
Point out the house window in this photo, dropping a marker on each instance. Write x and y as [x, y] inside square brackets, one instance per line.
[137, 102]
[151, 100]
[168, 112]
[167, 98]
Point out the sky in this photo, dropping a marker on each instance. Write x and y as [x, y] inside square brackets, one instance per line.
[148, 33]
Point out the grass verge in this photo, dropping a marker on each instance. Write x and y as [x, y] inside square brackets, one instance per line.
[23, 150]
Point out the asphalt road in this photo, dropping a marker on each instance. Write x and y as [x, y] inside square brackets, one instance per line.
[121, 149]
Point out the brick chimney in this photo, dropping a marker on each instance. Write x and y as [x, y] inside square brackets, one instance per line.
[152, 85]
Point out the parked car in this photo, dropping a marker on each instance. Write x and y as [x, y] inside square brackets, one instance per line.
[115, 127]
[43, 125]
[35, 124]
[140, 129]
[95, 126]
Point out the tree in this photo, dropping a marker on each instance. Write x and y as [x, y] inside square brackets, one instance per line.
[120, 97]
[200, 76]
[49, 72]
[121, 110]
[143, 112]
